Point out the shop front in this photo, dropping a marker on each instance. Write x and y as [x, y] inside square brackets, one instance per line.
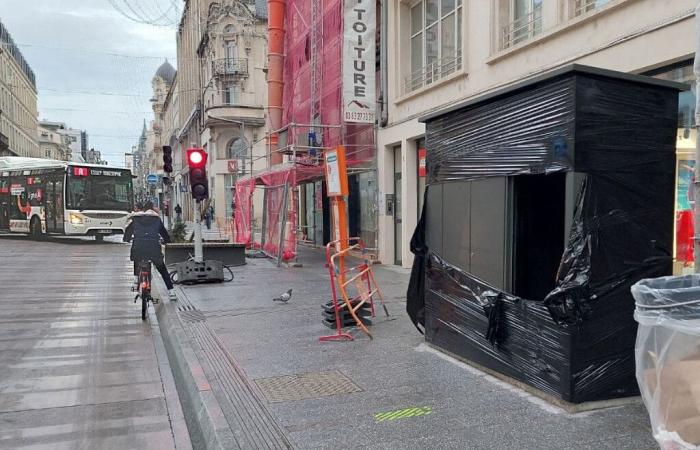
[686, 137]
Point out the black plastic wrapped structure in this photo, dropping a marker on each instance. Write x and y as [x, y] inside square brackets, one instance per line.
[546, 201]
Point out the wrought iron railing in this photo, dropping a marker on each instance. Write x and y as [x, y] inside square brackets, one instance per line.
[584, 6]
[230, 66]
[522, 28]
[432, 72]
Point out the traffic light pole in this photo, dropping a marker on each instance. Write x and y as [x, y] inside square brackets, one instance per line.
[198, 251]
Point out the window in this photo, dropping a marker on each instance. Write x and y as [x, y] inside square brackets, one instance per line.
[525, 22]
[584, 6]
[237, 149]
[436, 38]
[230, 50]
[229, 187]
[231, 94]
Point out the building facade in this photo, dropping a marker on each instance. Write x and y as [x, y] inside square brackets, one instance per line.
[233, 60]
[220, 98]
[52, 145]
[448, 52]
[141, 166]
[72, 142]
[18, 101]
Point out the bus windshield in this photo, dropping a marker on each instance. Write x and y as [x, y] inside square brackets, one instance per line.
[100, 189]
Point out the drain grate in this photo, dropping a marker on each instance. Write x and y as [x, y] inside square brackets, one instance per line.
[192, 316]
[303, 386]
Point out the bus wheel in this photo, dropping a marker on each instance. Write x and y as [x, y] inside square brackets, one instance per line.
[99, 238]
[35, 229]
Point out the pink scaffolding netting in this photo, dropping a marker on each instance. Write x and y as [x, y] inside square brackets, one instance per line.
[358, 139]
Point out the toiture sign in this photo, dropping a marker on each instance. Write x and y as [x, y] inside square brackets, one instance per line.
[359, 65]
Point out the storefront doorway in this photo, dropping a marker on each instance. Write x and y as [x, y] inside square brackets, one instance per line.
[398, 236]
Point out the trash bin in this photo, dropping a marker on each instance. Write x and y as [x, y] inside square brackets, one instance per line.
[668, 357]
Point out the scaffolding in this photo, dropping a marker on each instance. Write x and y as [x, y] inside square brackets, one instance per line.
[312, 119]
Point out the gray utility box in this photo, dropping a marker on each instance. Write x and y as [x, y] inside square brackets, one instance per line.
[229, 254]
[203, 272]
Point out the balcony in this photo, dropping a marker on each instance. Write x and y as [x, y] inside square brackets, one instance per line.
[432, 72]
[523, 28]
[230, 66]
[237, 109]
[584, 6]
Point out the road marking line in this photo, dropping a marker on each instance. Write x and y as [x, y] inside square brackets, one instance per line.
[403, 413]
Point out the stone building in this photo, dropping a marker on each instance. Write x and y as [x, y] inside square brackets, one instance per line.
[221, 95]
[18, 101]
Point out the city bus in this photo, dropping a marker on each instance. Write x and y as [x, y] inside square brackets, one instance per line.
[43, 197]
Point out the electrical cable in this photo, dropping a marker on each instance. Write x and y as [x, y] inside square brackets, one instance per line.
[173, 275]
[137, 13]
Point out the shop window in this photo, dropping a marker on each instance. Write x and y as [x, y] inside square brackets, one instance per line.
[685, 164]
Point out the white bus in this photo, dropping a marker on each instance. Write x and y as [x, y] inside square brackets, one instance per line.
[43, 197]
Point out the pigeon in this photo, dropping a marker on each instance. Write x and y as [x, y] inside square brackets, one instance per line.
[284, 298]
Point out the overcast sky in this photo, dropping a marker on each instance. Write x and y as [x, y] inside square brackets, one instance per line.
[83, 52]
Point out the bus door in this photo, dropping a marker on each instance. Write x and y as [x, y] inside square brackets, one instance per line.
[59, 206]
[50, 206]
[5, 204]
[54, 206]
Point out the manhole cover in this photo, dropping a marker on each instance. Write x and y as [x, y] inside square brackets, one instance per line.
[192, 316]
[306, 385]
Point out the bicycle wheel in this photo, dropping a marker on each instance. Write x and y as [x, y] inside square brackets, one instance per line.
[144, 305]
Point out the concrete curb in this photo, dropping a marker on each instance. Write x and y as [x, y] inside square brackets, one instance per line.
[205, 419]
[181, 434]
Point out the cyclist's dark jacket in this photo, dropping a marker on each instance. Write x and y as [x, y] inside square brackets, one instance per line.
[147, 229]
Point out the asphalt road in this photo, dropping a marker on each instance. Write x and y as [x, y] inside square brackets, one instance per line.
[78, 366]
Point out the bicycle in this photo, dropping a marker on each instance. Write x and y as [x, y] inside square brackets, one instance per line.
[144, 288]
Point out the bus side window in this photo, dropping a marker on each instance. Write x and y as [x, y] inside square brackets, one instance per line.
[37, 194]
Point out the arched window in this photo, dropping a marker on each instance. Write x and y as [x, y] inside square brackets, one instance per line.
[238, 149]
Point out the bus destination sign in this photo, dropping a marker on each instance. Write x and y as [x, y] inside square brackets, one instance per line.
[85, 171]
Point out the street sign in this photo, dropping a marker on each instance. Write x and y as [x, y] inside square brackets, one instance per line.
[152, 178]
[336, 172]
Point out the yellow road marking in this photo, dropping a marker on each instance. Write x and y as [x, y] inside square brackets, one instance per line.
[403, 413]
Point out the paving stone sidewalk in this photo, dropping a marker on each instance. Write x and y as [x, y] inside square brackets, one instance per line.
[391, 392]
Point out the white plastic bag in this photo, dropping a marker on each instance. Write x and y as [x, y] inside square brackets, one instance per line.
[668, 357]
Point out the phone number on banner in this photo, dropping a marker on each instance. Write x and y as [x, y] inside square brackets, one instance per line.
[354, 116]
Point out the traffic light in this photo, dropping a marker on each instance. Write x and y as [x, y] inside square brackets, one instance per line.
[167, 159]
[167, 164]
[197, 163]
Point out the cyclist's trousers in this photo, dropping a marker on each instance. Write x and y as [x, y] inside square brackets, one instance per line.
[160, 265]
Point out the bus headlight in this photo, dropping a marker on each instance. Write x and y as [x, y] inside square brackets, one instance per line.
[76, 220]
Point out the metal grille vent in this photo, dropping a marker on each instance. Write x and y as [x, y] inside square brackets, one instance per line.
[306, 386]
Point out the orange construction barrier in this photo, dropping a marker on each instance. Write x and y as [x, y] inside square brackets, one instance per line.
[357, 287]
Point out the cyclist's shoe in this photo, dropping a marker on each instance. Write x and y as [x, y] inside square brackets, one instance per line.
[171, 295]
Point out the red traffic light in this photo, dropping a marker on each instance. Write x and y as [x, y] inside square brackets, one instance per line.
[199, 182]
[196, 157]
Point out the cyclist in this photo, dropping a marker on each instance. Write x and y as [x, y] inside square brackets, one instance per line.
[146, 229]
